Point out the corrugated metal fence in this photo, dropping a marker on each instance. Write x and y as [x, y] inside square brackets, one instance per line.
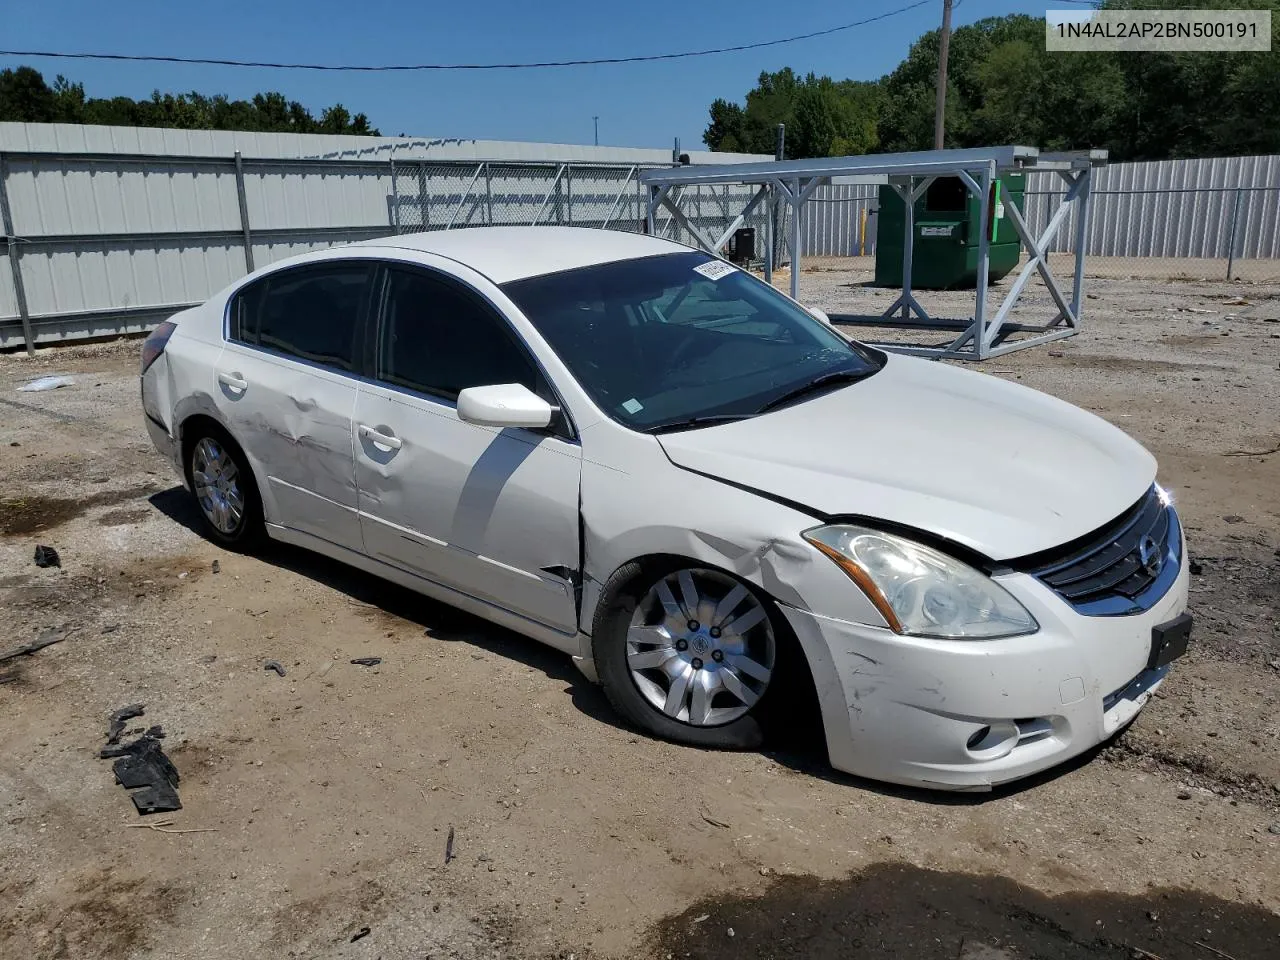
[104, 243]
[110, 243]
[1227, 207]
[110, 229]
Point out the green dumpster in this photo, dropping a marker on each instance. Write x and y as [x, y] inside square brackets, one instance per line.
[945, 256]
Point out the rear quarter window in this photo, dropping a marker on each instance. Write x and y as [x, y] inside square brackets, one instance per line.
[314, 313]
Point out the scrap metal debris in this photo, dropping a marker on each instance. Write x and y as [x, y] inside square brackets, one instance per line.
[367, 661]
[119, 718]
[47, 557]
[273, 665]
[141, 765]
[48, 636]
[448, 848]
[360, 934]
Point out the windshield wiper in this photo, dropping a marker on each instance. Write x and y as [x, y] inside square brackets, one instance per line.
[818, 384]
[690, 423]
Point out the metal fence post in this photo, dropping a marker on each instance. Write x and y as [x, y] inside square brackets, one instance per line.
[424, 208]
[777, 233]
[244, 214]
[395, 193]
[488, 195]
[15, 266]
[568, 194]
[1231, 236]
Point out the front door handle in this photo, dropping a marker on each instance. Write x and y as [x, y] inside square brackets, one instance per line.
[380, 439]
[233, 381]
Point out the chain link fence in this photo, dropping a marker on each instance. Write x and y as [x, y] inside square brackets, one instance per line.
[429, 196]
[443, 196]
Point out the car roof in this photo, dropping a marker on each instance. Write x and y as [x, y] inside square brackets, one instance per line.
[504, 254]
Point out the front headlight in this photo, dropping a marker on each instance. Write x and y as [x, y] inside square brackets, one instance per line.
[920, 591]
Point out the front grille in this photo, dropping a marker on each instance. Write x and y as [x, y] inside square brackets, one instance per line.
[1120, 568]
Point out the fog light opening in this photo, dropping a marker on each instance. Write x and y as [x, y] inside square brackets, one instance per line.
[993, 741]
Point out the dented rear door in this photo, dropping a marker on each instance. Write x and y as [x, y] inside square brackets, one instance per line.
[286, 387]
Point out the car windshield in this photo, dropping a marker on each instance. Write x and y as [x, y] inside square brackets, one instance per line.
[682, 340]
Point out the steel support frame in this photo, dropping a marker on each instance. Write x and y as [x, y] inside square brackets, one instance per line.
[906, 305]
[980, 337]
[551, 191]
[466, 194]
[622, 192]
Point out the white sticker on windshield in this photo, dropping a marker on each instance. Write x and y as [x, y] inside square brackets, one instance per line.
[714, 269]
[633, 406]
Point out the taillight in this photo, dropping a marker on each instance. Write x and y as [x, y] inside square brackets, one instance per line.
[154, 345]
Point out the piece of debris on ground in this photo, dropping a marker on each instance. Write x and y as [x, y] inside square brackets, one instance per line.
[47, 638]
[47, 557]
[141, 764]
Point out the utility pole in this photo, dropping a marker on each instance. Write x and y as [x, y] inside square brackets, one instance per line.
[940, 110]
[596, 121]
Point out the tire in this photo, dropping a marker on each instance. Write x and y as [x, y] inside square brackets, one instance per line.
[652, 653]
[224, 489]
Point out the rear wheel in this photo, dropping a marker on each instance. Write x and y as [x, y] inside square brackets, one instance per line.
[224, 490]
[688, 653]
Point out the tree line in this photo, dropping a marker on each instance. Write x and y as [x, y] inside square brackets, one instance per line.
[1004, 87]
[25, 96]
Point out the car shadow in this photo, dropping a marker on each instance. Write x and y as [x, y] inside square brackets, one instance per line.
[799, 747]
[441, 621]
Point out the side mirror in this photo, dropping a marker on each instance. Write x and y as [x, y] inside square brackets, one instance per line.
[819, 314]
[504, 405]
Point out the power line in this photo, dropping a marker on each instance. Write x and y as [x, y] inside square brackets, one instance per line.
[383, 68]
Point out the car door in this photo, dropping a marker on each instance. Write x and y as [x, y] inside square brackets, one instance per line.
[286, 387]
[487, 511]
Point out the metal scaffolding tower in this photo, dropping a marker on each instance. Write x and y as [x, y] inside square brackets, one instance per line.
[790, 183]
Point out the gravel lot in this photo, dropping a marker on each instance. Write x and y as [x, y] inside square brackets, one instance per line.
[327, 795]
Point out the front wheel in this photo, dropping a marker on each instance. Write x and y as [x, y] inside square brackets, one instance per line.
[688, 654]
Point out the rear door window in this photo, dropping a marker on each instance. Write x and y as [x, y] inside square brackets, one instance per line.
[314, 313]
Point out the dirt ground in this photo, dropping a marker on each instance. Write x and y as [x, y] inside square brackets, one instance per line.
[325, 798]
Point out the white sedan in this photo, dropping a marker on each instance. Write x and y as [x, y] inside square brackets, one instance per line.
[709, 498]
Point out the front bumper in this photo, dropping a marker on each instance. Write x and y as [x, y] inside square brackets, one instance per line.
[968, 715]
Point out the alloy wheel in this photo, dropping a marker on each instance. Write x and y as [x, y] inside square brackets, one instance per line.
[216, 480]
[700, 647]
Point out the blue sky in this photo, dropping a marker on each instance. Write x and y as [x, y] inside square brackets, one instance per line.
[638, 104]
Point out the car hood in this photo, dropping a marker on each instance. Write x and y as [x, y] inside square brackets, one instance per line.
[994, 466]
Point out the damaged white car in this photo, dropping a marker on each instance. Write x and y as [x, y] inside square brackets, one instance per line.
[653, 461]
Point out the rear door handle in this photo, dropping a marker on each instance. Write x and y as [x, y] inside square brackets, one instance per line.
[379, 439]
[234, 382]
